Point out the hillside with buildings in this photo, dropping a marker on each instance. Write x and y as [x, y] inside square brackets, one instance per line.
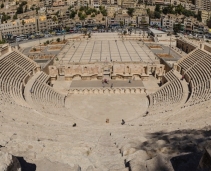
[47, 16]
[105, 85]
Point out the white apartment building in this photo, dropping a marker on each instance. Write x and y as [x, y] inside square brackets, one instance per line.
[205, 16]
[169, 20]
[203, 4]
[28, 26]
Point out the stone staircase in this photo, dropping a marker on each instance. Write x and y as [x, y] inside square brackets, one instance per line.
[109, 157]
[106, 73]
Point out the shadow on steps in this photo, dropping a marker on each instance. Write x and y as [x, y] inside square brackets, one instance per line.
[25, 166]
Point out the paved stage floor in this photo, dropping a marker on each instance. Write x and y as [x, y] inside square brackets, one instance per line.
[103, 48]
[115, 107]
[98, 83]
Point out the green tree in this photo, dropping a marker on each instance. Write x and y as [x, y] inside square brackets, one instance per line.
[188, 13]
[23, 3]
[72, 14]
[179, 9]
[70, 7]
[169, 10]
[23, 23]
[199, 17]
[58, 40]
[130, 11]
[177, 27]
[19, 10]
[2, 41]
[15, 17]
[4, 17]
[102, 10]
[148, 11]
[88, 12]
[2, 5]
[26, 8]
[93, 15]
[79, 14]
[157, 8]
[157, 14]
[67, 29]
[37, 9]
[121, 23]
[54, 18]
[165, 10]
[81, 8]
[82, 17]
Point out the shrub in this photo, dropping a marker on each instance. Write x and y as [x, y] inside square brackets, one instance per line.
[58, 39]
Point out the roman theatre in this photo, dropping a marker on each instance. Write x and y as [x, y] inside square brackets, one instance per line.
[106, 102]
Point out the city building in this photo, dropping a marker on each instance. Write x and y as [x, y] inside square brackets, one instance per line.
[169, 20]
[205, 16]
[28, 26]
[111, 10]
[203, 4]
[155, 22]
[143, 21]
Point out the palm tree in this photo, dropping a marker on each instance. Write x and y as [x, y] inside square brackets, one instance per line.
[23, 23]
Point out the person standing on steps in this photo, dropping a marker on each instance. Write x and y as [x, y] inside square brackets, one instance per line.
[123, 122]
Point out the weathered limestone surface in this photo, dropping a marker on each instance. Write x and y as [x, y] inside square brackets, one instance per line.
[9, 162]
[45, 164]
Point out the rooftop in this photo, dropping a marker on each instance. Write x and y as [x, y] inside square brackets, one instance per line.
[156, 31]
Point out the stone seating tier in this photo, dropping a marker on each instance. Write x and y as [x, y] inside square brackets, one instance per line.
[196, 69]
[14, 68]
[42, 96]
[170, 95]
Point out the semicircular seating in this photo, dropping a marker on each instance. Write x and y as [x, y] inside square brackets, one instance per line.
[41, 95]
[170, 95]
[15, 70]
[17, 78]
[195, 69]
